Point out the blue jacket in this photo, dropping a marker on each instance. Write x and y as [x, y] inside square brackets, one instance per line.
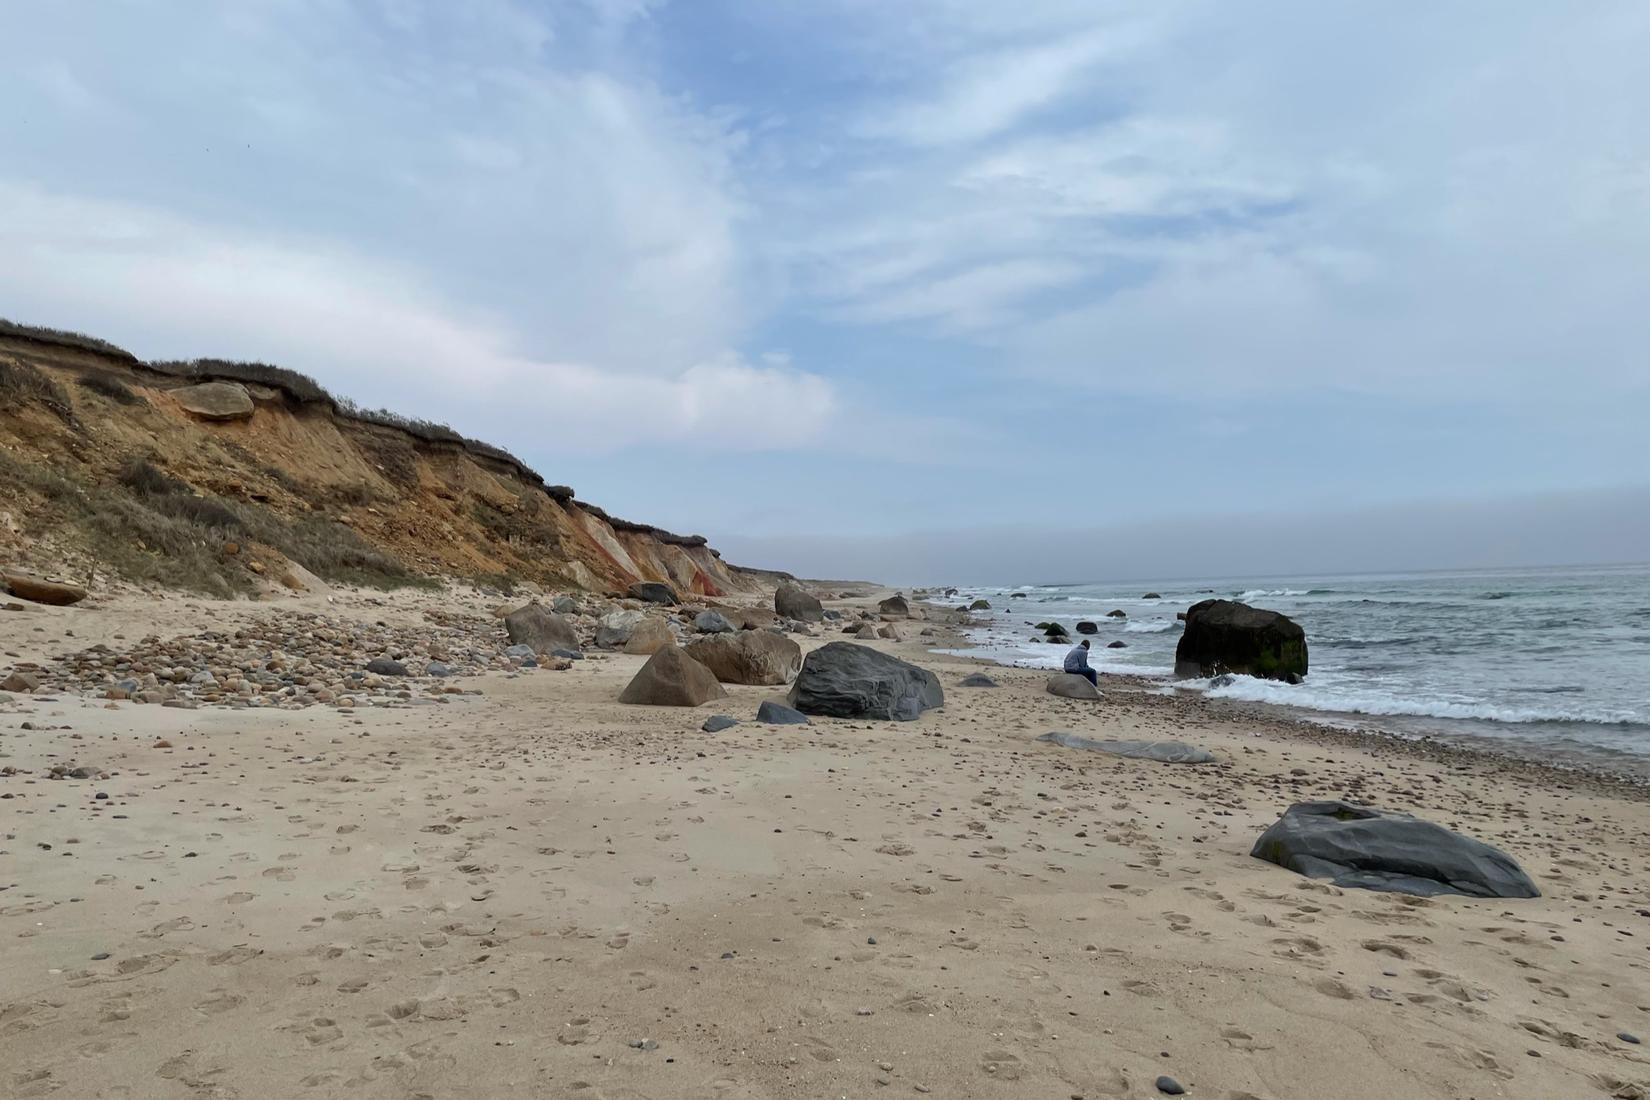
[1077, 660]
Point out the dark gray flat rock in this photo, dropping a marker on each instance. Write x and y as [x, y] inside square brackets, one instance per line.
[978, 680]
[778, 714]
[716, 723]
[1164, 752]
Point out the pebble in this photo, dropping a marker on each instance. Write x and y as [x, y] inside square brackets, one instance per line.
[1168, 1086]
[1628, 1037]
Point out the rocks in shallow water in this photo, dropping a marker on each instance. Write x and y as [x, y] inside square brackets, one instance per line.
[716, 723]
[1164, 752]
[649, 636]
[653, 592]
[1069, 685]
[1086, 627]
[1371, 849]
[980, 605]
[1117, 645]
[386, 666]
[712, 622]
[792, 601]
[1117, 613]
[749, 657]
[978, 680]
[844, 680]
[27, 586]
[778, 714]
[1151, 596]
[1227, 636]
[216, 401]
[1054, 632]
[672, 679]
[537, 626]
[894, 606]
[613, 629]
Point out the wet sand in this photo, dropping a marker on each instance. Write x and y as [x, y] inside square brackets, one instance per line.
[536, 891]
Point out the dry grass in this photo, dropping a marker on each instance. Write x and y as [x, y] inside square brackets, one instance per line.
[107, 385]
[20, 383]
[62, 339]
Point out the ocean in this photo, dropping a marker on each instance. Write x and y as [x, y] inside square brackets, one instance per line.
[1546, 663]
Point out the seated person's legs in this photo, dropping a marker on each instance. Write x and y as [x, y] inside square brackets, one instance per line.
[1094, 677]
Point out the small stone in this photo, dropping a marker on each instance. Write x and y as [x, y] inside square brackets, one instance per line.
[1628, 1037]
[100, 956]
[872, 940]
[716, 723]
[1168, 1086]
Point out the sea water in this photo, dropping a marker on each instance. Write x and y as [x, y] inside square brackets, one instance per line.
[1551, 663]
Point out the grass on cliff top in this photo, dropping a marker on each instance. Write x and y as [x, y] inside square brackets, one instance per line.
[63, 339]
[149, 527]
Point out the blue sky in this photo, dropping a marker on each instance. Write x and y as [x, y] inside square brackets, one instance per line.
[862, 269]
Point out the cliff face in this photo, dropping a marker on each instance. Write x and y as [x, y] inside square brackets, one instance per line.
[138, 468]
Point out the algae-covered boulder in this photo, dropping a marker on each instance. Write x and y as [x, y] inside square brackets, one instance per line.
[1227, 636]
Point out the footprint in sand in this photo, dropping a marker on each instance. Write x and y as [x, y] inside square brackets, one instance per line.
[219, 1001]
[1002, 1065]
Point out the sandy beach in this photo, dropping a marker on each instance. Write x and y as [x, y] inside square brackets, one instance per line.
[530, 889]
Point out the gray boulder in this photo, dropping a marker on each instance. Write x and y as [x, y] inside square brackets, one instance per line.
[980, 605]
[778, 714]
[653, 592]
[792, 601]
[1227, 636]
[672, 679]
[1371, 849]
[649, 636]
[216, 401]
[1164, 752]
[1069, 685]
[1086, 627]
[716, 723]
[437, 668]
[843, 680]
[567, 654]
[565, 605]
[748, 657]
[384, 666]
[613, 629]
[537, 626]
[978, 680]
[894, 607]
[712, 622]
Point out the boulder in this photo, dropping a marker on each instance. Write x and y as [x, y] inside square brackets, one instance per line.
[26, 586]
[216, 401]
[1164, 752]
[1227, 636]
[22, 682]
[1371, 849]
[888, 632]
[385, 666]
[978, 680]
[1055, 631]
[649, 636]
[1086, 627]
[748, 657]
[672, 679]
[1069, 685]
[980, 605]
[537, 626]
[712, 622]
[778, 714]
[653, 592]
[565, 605]
[844, 680]
[716, 723]
[866, 631]
[1152, 596]
[894, 606]
[1117, 613]
[613, 629]
[791, 601]
[1119, 644]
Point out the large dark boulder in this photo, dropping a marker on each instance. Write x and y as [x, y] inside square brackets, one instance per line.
[792, 601]
[1227, 636]
[843, 680]
[894, 607]
[1360, 846]
[1086, 627]
[27, 586]
[653, 592]
[980, 605]
[672, 679]
[537, 626]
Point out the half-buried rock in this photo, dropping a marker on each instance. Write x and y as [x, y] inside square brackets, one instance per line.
[537, 626]
[672, 679]
[1227, 636]
[778, 714]
[1069, 685]
[649, 636]
[216, 401]
[978, 680]
[749, 657]
[26, 586]
[1164, 752]
[843, 680]
[1370, 849]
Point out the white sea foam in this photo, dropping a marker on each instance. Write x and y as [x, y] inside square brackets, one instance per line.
[1149, 626]
[1264, 593]
[1359, 700]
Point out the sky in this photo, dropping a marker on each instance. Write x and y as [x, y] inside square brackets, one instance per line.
[829, 280]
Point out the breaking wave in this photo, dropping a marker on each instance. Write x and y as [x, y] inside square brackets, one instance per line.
[1353, 700]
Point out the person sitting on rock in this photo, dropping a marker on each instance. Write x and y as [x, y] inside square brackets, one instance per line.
[1077, 661]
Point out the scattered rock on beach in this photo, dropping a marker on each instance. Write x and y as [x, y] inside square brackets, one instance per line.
[649, 636]
[778, 714]
[27, 586]
[537, 626]
[386, 666]
[1164, 752]
[1227, 636]
[844, 680]
[21, 682]
[1069, 685]
[653, 592]
[894, 606]
[712, 622]
[748, 657]
[978, 680]
[1371, 849]
[613, 629]
[980, 605]
[672, 679]
[716, 723]
[1168, 1086]
[792, 601]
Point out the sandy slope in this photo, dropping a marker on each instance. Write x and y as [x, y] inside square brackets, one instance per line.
[499, 897]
